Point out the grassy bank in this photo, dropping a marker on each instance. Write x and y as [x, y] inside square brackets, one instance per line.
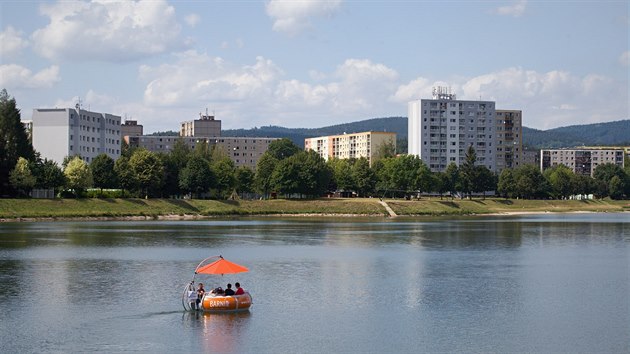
[12, 209]
[71, 208]
[504, 206]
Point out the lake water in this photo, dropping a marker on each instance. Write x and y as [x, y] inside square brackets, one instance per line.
[538, 283]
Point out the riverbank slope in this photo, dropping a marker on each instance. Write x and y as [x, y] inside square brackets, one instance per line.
[18, 209]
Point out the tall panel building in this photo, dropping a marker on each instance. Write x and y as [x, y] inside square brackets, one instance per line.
[441, 130]
[509, 138]
[61, 132]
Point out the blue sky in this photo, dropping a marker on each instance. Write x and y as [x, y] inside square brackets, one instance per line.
[315, 63]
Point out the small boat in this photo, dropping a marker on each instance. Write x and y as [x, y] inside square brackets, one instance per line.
[211, 301]
[221, 303]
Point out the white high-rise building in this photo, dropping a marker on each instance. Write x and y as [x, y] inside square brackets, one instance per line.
[441, 130]
[61, 132]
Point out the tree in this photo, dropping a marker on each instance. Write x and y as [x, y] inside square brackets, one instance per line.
[581, 184]
[506, 185]
[314, 174]
[180, 153]
[48, 174]
[385, 150]
[223, 170]
[286, 176]
[468, 172]
[14, 141]
[282, 148]
[78, 176]
[485, 180]
[604, 174]
[174, 162]
[244, 180]
[170, 187]
[452, 178]
[124, 175]
[304, 173]
[147, 170]
[364, 177]
[406, 173]
[202, 149]
[560, 179]
[529, 182]
[264, 171]
[342, 174]
[616, 188]
[196, 177]
[21, 177]
[103, 173]
[440, 183]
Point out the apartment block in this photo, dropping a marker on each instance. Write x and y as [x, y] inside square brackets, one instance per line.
[244, 151]
[509, 138]
[441, 129]
[61, 132]
[205, 126]
[581, 161]
[348, 146]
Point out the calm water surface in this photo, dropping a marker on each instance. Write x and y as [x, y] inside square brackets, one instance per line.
[544, 283]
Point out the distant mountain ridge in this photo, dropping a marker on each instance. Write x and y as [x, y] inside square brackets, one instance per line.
[597, 134]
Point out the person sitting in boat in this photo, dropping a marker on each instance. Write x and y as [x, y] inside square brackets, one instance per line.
[239, 290]
[200, 292]
[217, 291]
[229, 291]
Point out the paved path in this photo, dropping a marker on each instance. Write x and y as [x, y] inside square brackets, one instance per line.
[389, 210]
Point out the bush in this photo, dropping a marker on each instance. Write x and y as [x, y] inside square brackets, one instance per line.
[106, 193]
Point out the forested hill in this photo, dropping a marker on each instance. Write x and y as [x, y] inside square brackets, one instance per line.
[609, 133]
[396, 125]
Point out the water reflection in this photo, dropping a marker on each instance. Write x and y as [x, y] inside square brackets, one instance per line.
[218, 332]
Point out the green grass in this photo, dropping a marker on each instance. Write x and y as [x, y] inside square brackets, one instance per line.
[153, 208]
[70, 208]
[435, 206]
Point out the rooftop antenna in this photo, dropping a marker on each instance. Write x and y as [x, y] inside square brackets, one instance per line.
[443, 93]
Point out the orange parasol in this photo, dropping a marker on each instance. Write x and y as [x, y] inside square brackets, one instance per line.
[221, 266]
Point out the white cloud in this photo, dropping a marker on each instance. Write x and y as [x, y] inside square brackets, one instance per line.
[197, 78]
[11, 43]
[13, 76]
[192, 20]
[516, 9]
[107, 30]
[624, 58]
[292, 17]
[259, 94]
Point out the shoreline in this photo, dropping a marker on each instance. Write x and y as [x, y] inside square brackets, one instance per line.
[188, 217]
[48, 210]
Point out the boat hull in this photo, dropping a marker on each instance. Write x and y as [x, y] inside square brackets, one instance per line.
[211, 303]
